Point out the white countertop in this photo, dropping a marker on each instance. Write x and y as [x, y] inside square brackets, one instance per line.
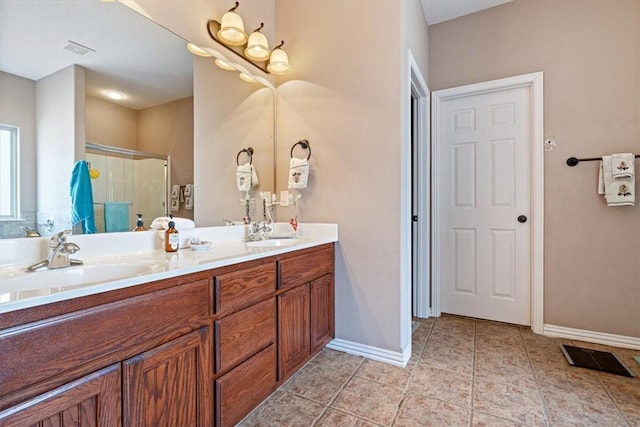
[138, 256]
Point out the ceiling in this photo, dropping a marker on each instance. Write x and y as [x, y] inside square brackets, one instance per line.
[130, 53]
[437, 11]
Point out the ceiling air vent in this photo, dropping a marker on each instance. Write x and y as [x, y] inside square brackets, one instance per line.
[76, 48]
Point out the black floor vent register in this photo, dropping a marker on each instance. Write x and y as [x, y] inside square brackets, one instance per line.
[596, 360]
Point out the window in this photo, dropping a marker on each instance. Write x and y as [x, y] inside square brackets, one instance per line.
[9, 207]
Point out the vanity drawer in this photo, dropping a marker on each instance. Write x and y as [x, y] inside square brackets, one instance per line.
[303, 268]
[242, 288]
[244, 333]
[95, 337]
[243, 388]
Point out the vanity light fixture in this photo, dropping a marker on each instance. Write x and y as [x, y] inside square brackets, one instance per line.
[279, 60]
[230, 34]
[197, 50]
[223, 64]
[247, 78]
[231, 30]
[257, 46]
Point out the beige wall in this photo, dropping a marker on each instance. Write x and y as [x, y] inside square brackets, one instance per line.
[18, 108]
[344, 96]
[230, 115]
[111, 124]
[589, 52]
[168, 129]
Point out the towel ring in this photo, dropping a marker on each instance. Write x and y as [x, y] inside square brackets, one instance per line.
[304, 144]
[249, 152]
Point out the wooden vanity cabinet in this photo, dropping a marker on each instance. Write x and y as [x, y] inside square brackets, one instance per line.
[144, 355]
[203, 349]
[305, 308]
[245, 340]
[93, 400]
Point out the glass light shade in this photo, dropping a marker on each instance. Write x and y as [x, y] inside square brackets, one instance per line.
[232, 30]
[247, 78]
[197, 50]
[279, 62]
[222, 64]
[257, 47]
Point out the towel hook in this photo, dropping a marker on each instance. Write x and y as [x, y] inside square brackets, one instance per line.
[304, 144]
[249, 152]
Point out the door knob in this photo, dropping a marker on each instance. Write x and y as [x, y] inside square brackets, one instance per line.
[522, 218]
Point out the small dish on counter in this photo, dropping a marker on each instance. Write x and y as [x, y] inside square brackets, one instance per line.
[199, 245]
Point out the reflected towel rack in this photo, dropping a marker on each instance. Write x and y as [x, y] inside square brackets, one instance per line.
[304, 144]
[572, 161]
[249, 152]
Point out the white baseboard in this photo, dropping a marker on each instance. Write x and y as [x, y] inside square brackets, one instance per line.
[373, 353]
[592, 336]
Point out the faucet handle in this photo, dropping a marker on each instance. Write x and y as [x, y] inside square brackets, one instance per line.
[59, 238]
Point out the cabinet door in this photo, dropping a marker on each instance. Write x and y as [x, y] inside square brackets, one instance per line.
[239, 391]
[293, 330]
[322, 312]
[170, 385]
[93, 400]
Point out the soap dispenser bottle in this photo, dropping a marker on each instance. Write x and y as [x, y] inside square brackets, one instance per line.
[171, 237]
[139, 224]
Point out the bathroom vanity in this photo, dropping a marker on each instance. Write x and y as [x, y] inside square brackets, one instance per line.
[195, 348]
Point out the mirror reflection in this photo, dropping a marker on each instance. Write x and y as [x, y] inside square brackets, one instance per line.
[57, 62]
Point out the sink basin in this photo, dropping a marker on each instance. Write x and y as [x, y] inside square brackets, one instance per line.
[272, 243]
[69, 278]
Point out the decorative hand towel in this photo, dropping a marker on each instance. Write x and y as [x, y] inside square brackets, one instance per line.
[298, 173]
[82, 198]
[617, 192]
[162, 223]
[246, 177]
[175, 198]
[188, 196]
[116, 217]
[622, 165]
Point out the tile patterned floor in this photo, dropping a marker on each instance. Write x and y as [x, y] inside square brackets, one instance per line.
[462, 372]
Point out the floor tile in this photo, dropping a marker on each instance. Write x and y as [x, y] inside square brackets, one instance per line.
[385, 373]
[369, 400]
[339, 361]
[316, 382]
[578, 383]
[417, 410]
[283, 409]
[333, 418]
[506, 401]
[564, 412]
[441, 384]
[481, 419]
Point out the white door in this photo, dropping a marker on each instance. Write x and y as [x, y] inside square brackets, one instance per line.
[484, 173]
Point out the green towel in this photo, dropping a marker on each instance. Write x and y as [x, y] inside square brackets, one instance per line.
[116, 217]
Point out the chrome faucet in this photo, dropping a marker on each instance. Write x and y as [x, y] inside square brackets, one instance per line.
[59, 251]
[30, 232]
[257, 231]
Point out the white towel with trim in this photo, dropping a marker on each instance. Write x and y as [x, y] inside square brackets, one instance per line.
[616, 191]
[246, 177]
[162, 223]
[622, 165]
[298, 173]
[188, 196]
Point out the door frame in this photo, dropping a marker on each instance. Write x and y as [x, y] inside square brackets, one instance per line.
[535, 82]
[421, 284]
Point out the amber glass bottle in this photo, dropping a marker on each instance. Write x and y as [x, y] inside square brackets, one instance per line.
[171, 238]
[139, 224]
